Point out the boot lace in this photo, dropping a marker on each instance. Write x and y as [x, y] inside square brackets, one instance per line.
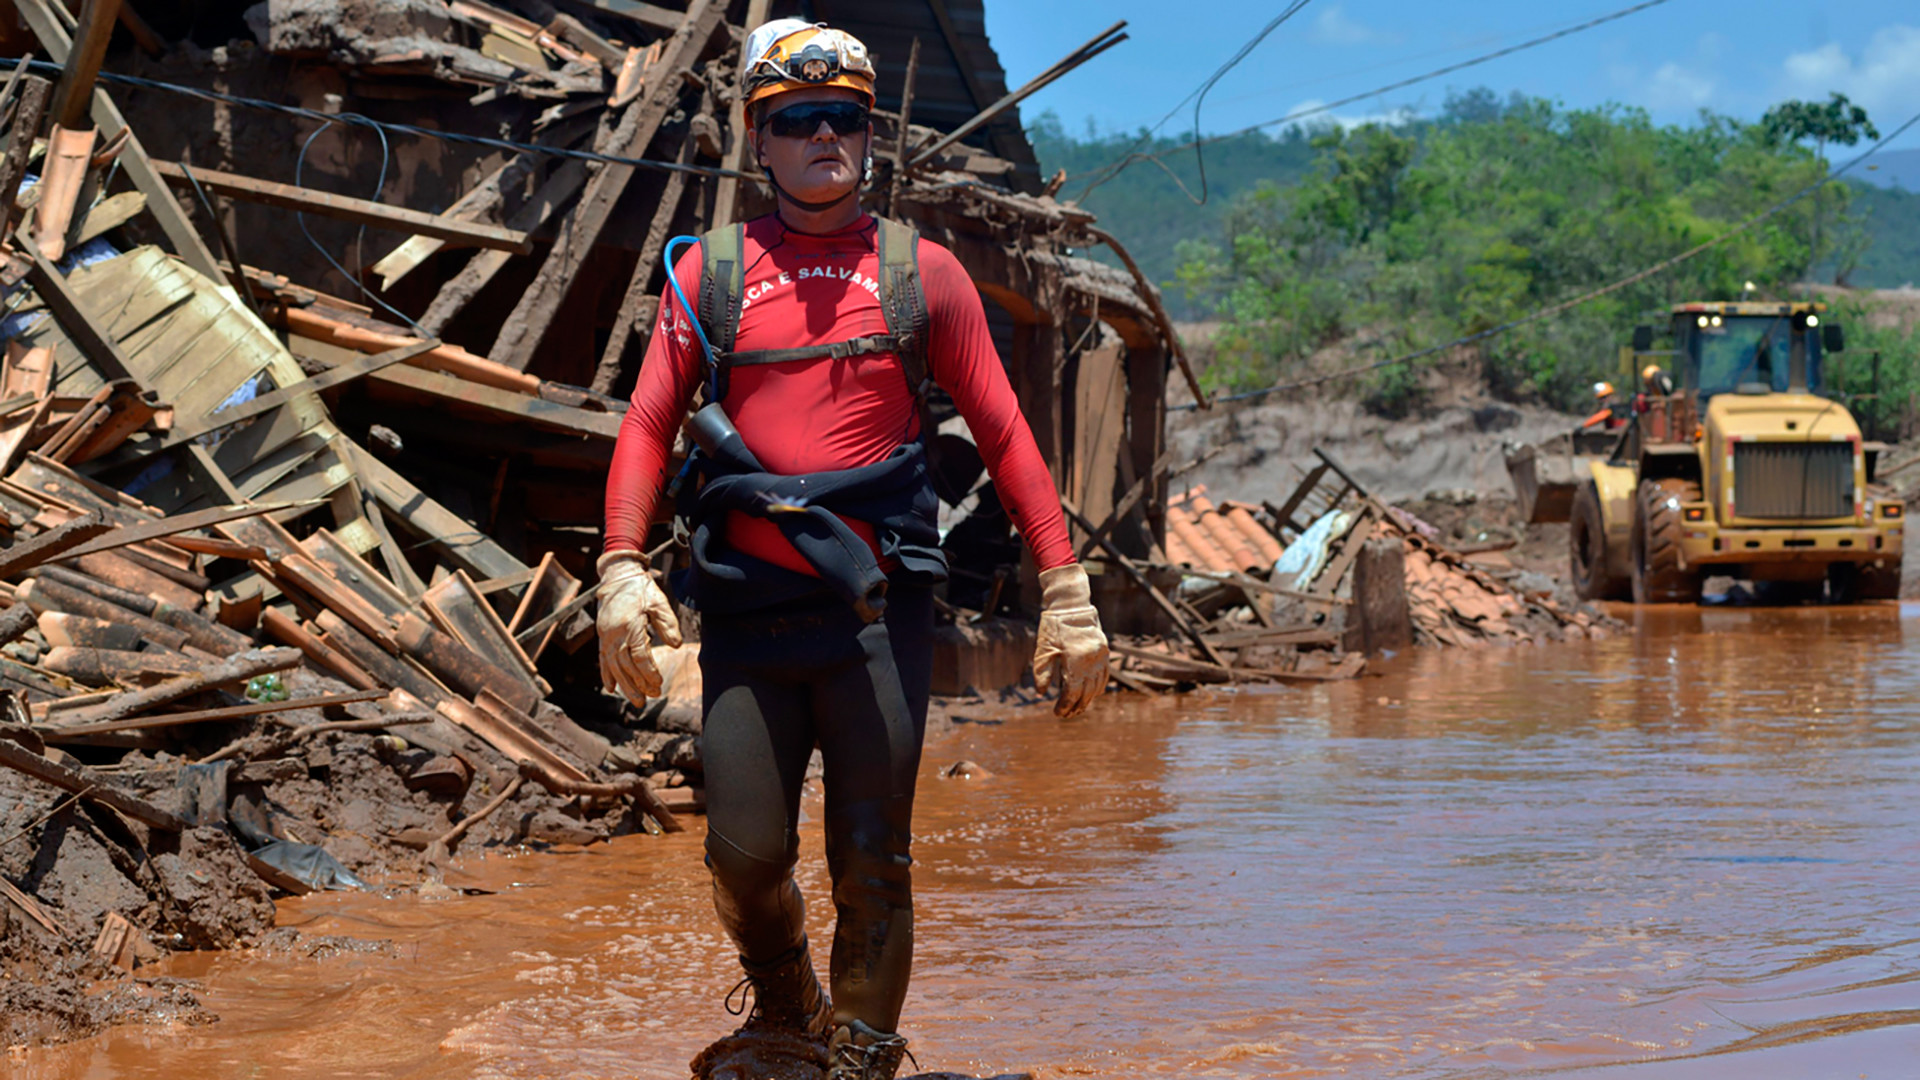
[741, 990]
[856, 1060]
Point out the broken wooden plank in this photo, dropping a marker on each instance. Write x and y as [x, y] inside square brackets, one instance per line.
[133, 160]
[541, 303]
[73, 99]
[457, 540]
[34, 94]
[326, 380]
[347, 208]
[639, 301]
[232, 670]
[100, 349]
[478, 203]
[89, 785]
[55, 732]
[54, 543]
[551, 590]
[32, 907]
[556, 194]
[162, 528]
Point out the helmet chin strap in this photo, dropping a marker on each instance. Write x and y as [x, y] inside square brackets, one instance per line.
[811, 207]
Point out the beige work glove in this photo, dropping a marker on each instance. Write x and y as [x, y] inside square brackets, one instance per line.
[634, 613]
[1072, 650]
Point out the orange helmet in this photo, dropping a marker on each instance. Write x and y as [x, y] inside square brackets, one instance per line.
[792, 54]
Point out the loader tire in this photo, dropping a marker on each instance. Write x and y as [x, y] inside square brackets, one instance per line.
[1853, 583]
[1658, 576]
[1594, 577]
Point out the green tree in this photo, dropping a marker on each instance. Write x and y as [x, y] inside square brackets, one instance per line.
[1840, 122]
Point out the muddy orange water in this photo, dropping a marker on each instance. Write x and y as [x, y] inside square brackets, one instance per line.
[1690, 852]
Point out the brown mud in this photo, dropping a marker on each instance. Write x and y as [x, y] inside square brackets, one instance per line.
[1686, 852]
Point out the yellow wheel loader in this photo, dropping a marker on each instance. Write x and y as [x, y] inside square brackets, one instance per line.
[1740, 468]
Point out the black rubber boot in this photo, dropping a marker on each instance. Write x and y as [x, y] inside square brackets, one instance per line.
[857, 1052]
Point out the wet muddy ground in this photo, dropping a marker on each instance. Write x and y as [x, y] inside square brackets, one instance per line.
[1685, 852]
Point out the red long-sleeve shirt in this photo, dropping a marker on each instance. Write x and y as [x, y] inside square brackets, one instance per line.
[815, 415]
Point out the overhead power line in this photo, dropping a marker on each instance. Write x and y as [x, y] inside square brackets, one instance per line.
[1131, 158]
[401, 129]
[1567, 305]
[1199, 93]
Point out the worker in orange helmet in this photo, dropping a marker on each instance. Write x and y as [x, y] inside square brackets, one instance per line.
[812, 538]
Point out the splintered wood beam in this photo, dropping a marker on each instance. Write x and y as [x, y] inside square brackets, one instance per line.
[34, 94]
[726, 202]
[55, 543]
[534, 314]
[326, 380]
[133, 161]
[51, 286]
[234, 669]
[88, 785]
[74, 97]
[635, 305]
[561, 186]
[649, 15]
[347, 208]
[161, 528]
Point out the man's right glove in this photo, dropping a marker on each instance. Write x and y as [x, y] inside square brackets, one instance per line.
[634, 613]
[1072, 649]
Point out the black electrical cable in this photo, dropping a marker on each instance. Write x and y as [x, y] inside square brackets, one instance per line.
[400, 129]
[1108, 172]
[1568, 305]
[1199, 97]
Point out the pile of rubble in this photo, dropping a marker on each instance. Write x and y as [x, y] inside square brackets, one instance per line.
[296, 589]
[1305, 590]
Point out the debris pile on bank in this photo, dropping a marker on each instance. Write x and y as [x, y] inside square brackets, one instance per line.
[1305, 589]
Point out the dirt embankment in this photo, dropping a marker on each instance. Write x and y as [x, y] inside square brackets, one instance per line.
[1453, 449]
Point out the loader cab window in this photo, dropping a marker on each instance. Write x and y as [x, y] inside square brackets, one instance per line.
[1752, 351]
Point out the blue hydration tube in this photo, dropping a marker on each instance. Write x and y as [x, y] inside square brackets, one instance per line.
[673, 280]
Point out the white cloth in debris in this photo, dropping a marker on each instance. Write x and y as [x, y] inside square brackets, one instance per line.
[1307, 555]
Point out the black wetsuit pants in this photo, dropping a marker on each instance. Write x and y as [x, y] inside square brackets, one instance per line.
[779, 682]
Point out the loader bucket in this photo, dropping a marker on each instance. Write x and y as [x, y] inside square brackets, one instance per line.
[1543, 485]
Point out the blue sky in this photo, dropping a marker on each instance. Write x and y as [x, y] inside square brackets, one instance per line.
[1732, 56]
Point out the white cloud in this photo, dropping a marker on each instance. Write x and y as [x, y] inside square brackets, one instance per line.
[1390, 117]
[1333, 27]
[1678, 87]
[1885, 77]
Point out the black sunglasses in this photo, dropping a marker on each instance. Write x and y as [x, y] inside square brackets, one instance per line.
[801, 121]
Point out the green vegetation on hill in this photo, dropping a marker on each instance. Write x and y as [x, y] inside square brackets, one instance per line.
[1890, 220]
[1421, 232]
[1145, 207]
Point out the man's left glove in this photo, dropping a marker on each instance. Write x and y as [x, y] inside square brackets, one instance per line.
[1072, 649]
[634, 613]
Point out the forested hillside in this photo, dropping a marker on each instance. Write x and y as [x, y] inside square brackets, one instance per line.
[1407, 236]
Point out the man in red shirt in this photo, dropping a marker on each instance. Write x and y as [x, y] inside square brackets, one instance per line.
[813, 543]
